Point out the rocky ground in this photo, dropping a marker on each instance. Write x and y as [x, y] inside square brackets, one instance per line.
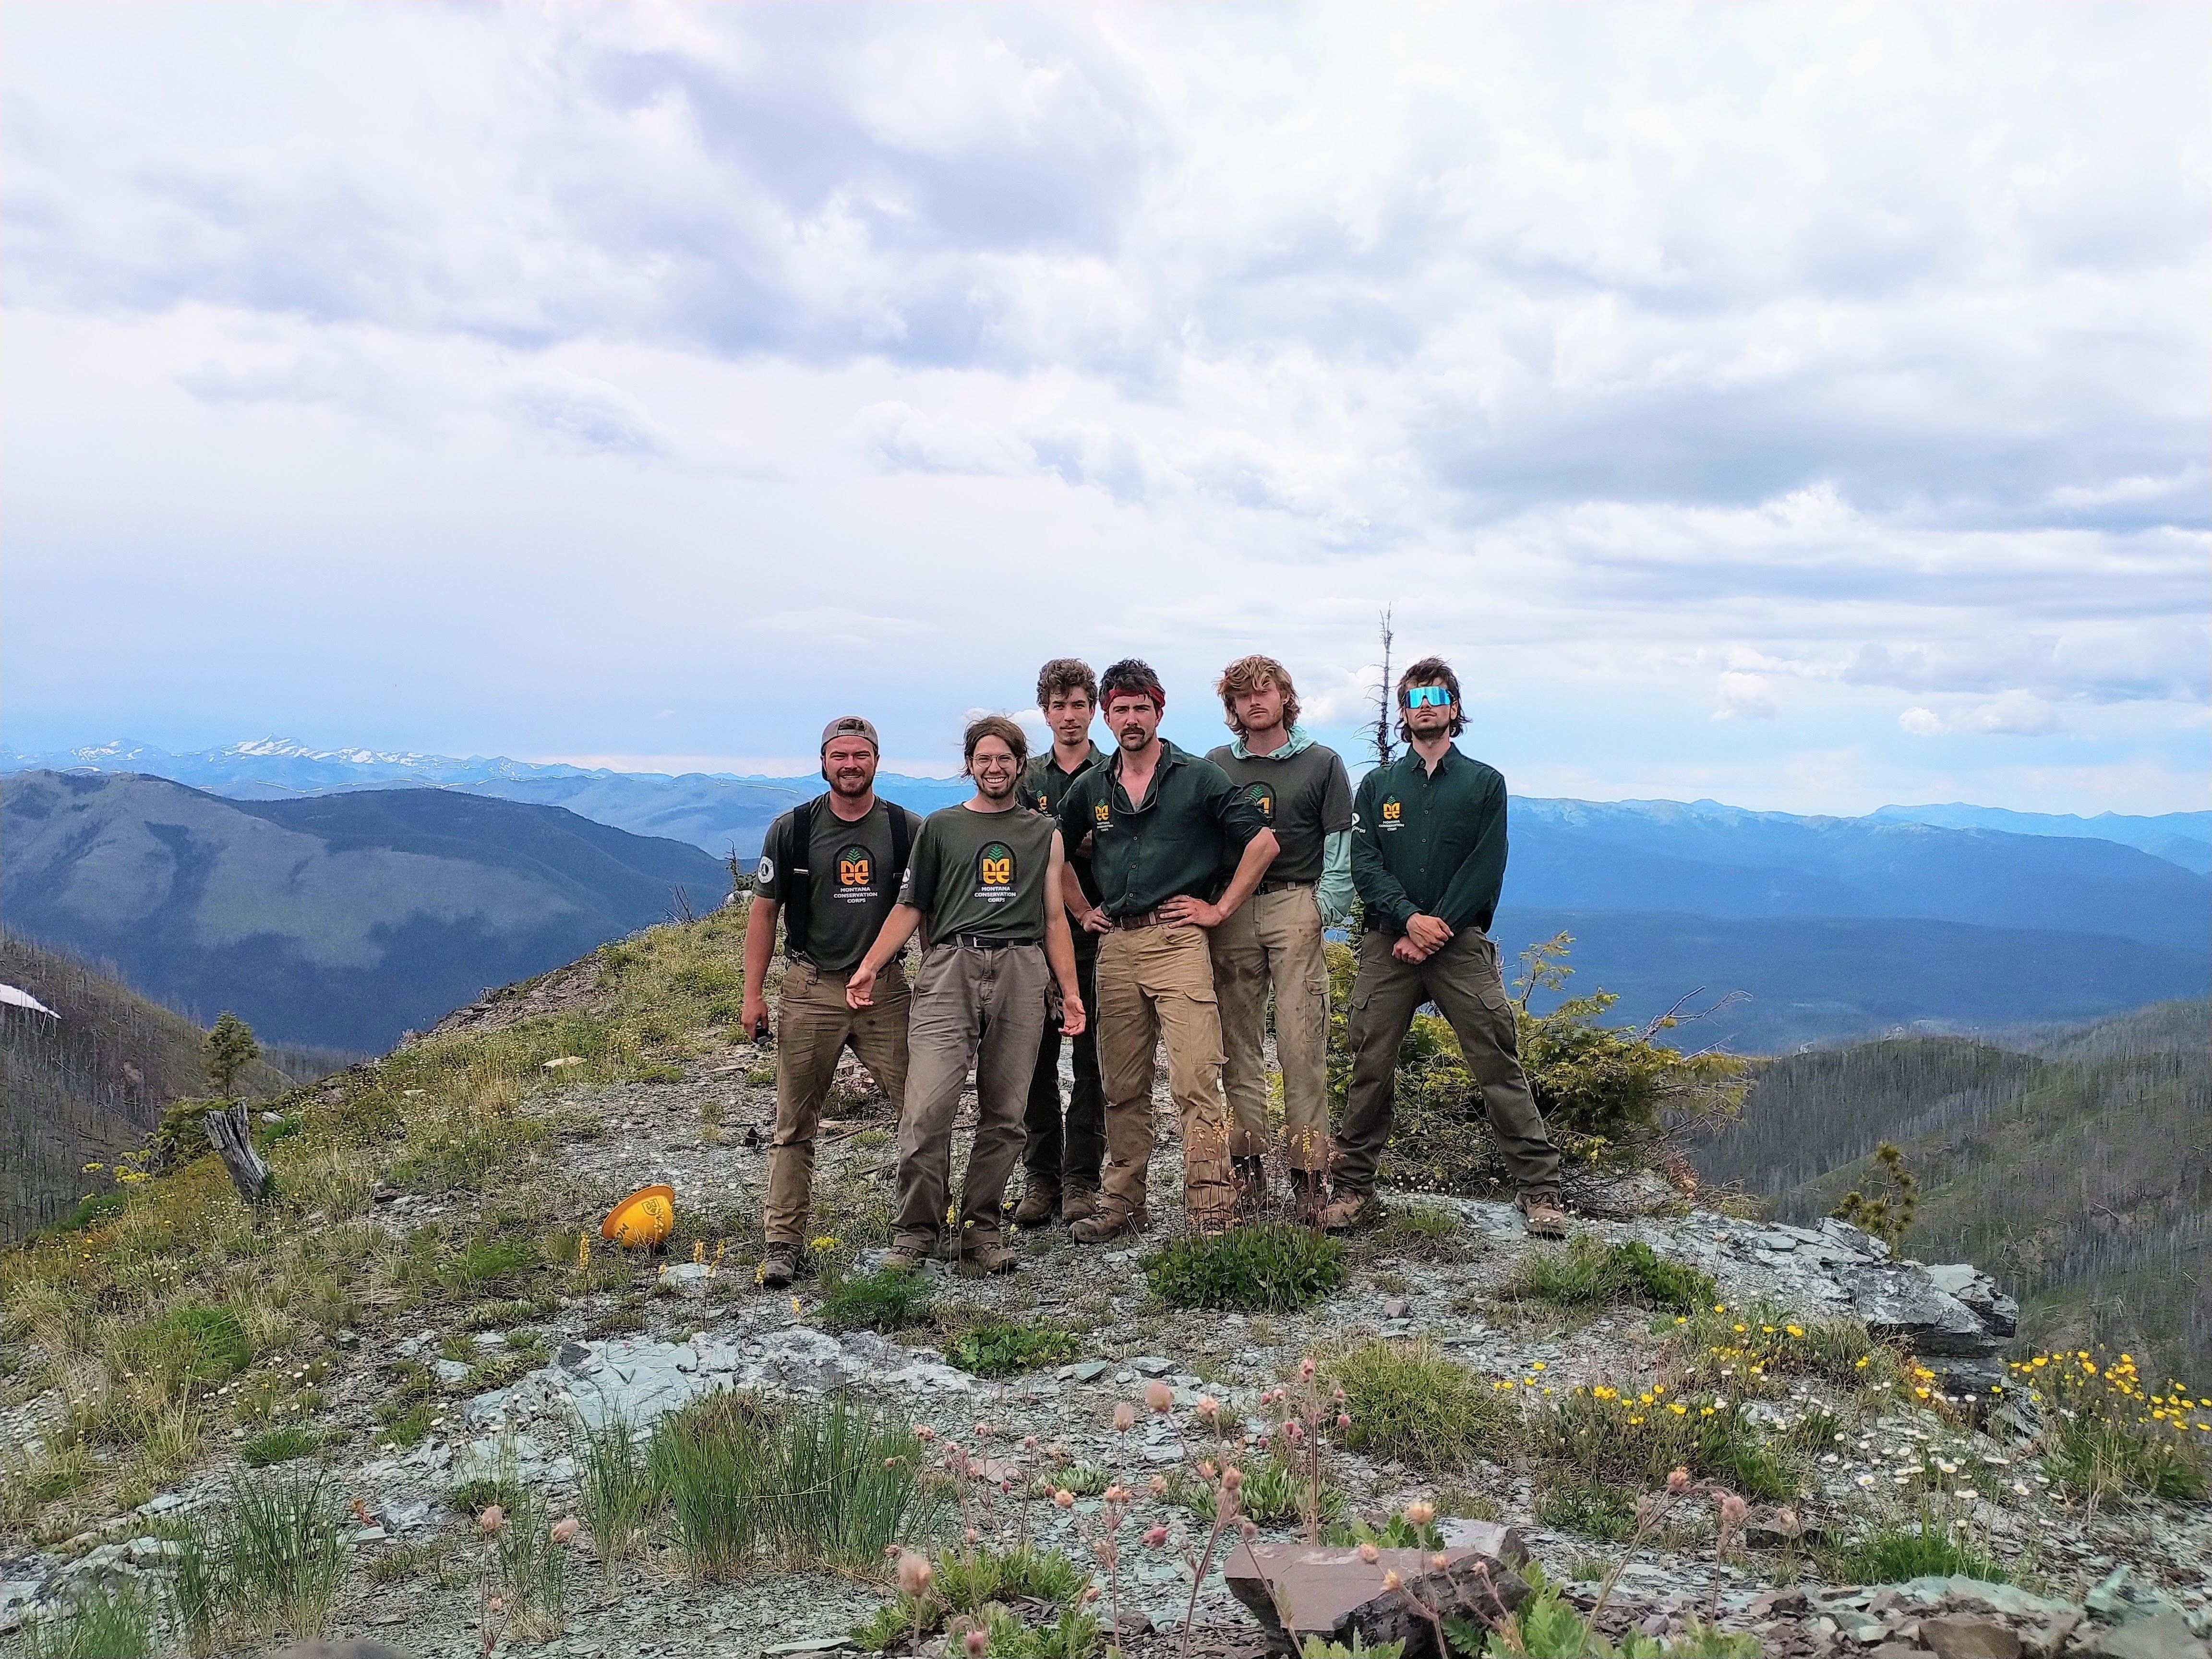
[2122, 1579]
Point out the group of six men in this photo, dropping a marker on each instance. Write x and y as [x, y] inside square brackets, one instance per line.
[1123, 900]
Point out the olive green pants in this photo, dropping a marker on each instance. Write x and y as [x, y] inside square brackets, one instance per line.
[812, 1024]
[1156, 984]
[979, 1010]
[1274, 941]
[1464, 982]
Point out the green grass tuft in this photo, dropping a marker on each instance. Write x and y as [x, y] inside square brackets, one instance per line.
[117, 1624]
[825, 1485]
[888, 1299]
[1407, 1402]
[617, 1491]
[279, 1446]
[195, 1343]
[1590, 1270]
[1271, 1267]
[1898, 1554]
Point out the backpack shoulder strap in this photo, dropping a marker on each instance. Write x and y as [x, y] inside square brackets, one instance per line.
[901, 842]
[799, 882]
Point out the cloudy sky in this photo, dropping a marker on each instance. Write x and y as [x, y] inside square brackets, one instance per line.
[1802, 405]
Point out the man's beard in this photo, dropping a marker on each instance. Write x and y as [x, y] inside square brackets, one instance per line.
[851, 784]
[995, 789]
[1133, 737]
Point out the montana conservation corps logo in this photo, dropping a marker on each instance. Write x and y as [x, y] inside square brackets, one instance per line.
[856, 872]
[1263, 797]
[1102, 812]
[1394, 813]
[994, 873]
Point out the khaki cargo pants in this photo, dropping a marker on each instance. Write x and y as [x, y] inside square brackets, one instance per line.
[1156, 983]
[1275, 939]
[1464, 982]
[970, 1008]
[812, 1025]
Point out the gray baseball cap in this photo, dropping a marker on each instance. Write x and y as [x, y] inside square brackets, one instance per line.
[851, 725]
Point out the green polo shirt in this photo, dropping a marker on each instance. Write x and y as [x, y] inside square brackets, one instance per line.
[1429, 843]
[1192, 822]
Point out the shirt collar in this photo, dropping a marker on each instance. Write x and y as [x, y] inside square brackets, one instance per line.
[1412, 761]
[1051, 758]
[1171, 758]
[1299, 740]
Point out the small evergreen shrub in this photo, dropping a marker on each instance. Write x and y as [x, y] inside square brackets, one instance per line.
[1270, 1267]
[1409, 1402]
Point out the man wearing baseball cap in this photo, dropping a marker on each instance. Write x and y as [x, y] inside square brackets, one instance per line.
[830, 868]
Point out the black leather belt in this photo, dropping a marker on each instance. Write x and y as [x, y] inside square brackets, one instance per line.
[1140, 919]
[977, 943]
[1281, 886]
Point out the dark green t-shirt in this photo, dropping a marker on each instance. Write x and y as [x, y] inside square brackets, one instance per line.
[850, 884]
[981, 873]
[1303, 798]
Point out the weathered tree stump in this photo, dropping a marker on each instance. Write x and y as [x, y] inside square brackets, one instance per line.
[230, 1131]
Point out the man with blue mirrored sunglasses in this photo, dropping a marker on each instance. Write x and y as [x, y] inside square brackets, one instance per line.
[1428, 858]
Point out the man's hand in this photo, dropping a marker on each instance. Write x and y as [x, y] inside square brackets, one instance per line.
[1096, 920]
[1071, 1011]
[1194, 911]
[860, 989]
[1406, 950]
[1428, 932]
[754, 1014]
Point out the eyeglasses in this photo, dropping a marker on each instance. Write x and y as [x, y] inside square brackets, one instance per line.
[1428, 696]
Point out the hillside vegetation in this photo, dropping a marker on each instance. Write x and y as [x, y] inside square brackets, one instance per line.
[422, 1321]
[89, 1085]
[2080, 1175]
[341, 919]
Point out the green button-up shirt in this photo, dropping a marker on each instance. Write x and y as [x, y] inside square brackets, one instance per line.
[1429, 843]
[1192, 822]
[1045, 785]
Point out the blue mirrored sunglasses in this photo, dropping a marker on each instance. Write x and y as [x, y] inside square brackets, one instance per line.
[1428, 696]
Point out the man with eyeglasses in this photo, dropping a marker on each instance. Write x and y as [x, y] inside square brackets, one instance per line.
[984, 880]
[1428, 856]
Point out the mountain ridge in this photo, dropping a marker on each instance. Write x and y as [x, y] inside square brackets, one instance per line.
[341, 919]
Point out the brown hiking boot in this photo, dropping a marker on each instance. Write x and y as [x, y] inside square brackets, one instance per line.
[779, 1264]
[1309, 1195]
[1347, 1211]
[1250, 1175]
[906, 1258]
[1542, 1214]
[1039, 1207]
[988, 1256]
[1106, 1226]
[1077, 1204]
